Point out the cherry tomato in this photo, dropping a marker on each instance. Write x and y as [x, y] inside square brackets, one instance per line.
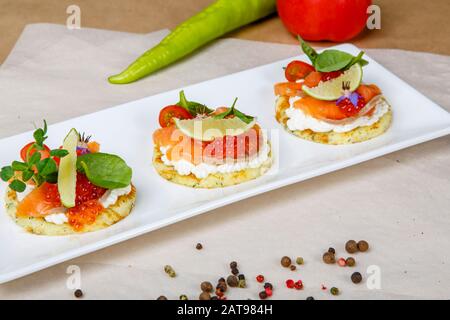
[297, 70]
[327, 76]
[45, 153]
[168, 113]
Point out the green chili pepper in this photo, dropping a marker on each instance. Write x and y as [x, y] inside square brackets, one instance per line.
[216, 20]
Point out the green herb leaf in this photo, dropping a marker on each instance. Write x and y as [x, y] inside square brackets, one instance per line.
[27, 175]
[332, 60]
[18, 186]
[19, 166]
[193, 107]
[243, 117]
[59, 153]
[52, 178]
[7, 173]
[35, 158]
[46, 167]
[308, 50]
[105, 170]
[358, 59]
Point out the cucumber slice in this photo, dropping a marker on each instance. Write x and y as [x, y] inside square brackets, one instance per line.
[67, 173]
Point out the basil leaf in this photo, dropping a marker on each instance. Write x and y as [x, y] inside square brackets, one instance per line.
[332, 60]
[18, 186]
[194, 108]
[19, 166]
[358, 59]
[105, 170]
[7, 173]
[59, 153]
[27, 175]
[35, 158]
[243, 117]
[52, 178]
[46, 167]
[308, 50]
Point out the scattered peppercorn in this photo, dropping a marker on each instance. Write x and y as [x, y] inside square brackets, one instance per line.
[222, 286]
[183, 297]
[356, 277]
[235, 271]
[351, 246]
[221, 280]
[241, 277]
[310, 298]
[263, 295]
[204, 296]
[260, 278]
[78, 293]
[290, 283]
[206, 286]
[298, 285]
[363, 246]
[169, 270]
[293, 267]
[219, 292]
[214, 298]
[162, 298]
[334, 291]
[299, 261]
[242, 283]
[328, 258]
[233, 265]
[323, 287]
[268, 285]
[286, 262]
[269, 292]
[199, 246]
[350, 262]
[331, 250]
[341, 262]
[232, 281]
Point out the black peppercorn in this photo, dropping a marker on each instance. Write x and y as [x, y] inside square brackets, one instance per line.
[204, 296]
[286, 262]
[232, 281]
[241, 277]
[233, 265]
[162, 298]
[310, 298]
[356, 277]
[363, 246]
[78, 293]
[351, 246]
[199, 246]
[328, 258]
[206, 286]
[263, 295]
[214, 298]
[235, 271]
[331, 250]
[293, 267]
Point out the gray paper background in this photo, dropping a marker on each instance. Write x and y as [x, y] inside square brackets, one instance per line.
[400, 203]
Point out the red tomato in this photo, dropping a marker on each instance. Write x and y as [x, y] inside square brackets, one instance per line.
[297, 70]
[44, 153]
[168, 113]
[316, 20]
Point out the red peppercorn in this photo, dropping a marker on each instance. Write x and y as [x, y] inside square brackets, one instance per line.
[290, 283]
[324, 288]
[298, 285]
[342, 262]
[260, 278]
[269, 292]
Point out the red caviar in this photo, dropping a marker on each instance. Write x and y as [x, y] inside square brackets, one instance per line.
[86, 191]
[84, 214]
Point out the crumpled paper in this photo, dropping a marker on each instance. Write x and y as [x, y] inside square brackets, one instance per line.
[399, 203]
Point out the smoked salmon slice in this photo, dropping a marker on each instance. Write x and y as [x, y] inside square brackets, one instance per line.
[40, 202]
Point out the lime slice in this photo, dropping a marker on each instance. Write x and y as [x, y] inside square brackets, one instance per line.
[332, 89]
[210, 128]
[67, 174]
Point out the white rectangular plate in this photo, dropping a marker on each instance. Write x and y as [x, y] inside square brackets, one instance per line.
[127, 130]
